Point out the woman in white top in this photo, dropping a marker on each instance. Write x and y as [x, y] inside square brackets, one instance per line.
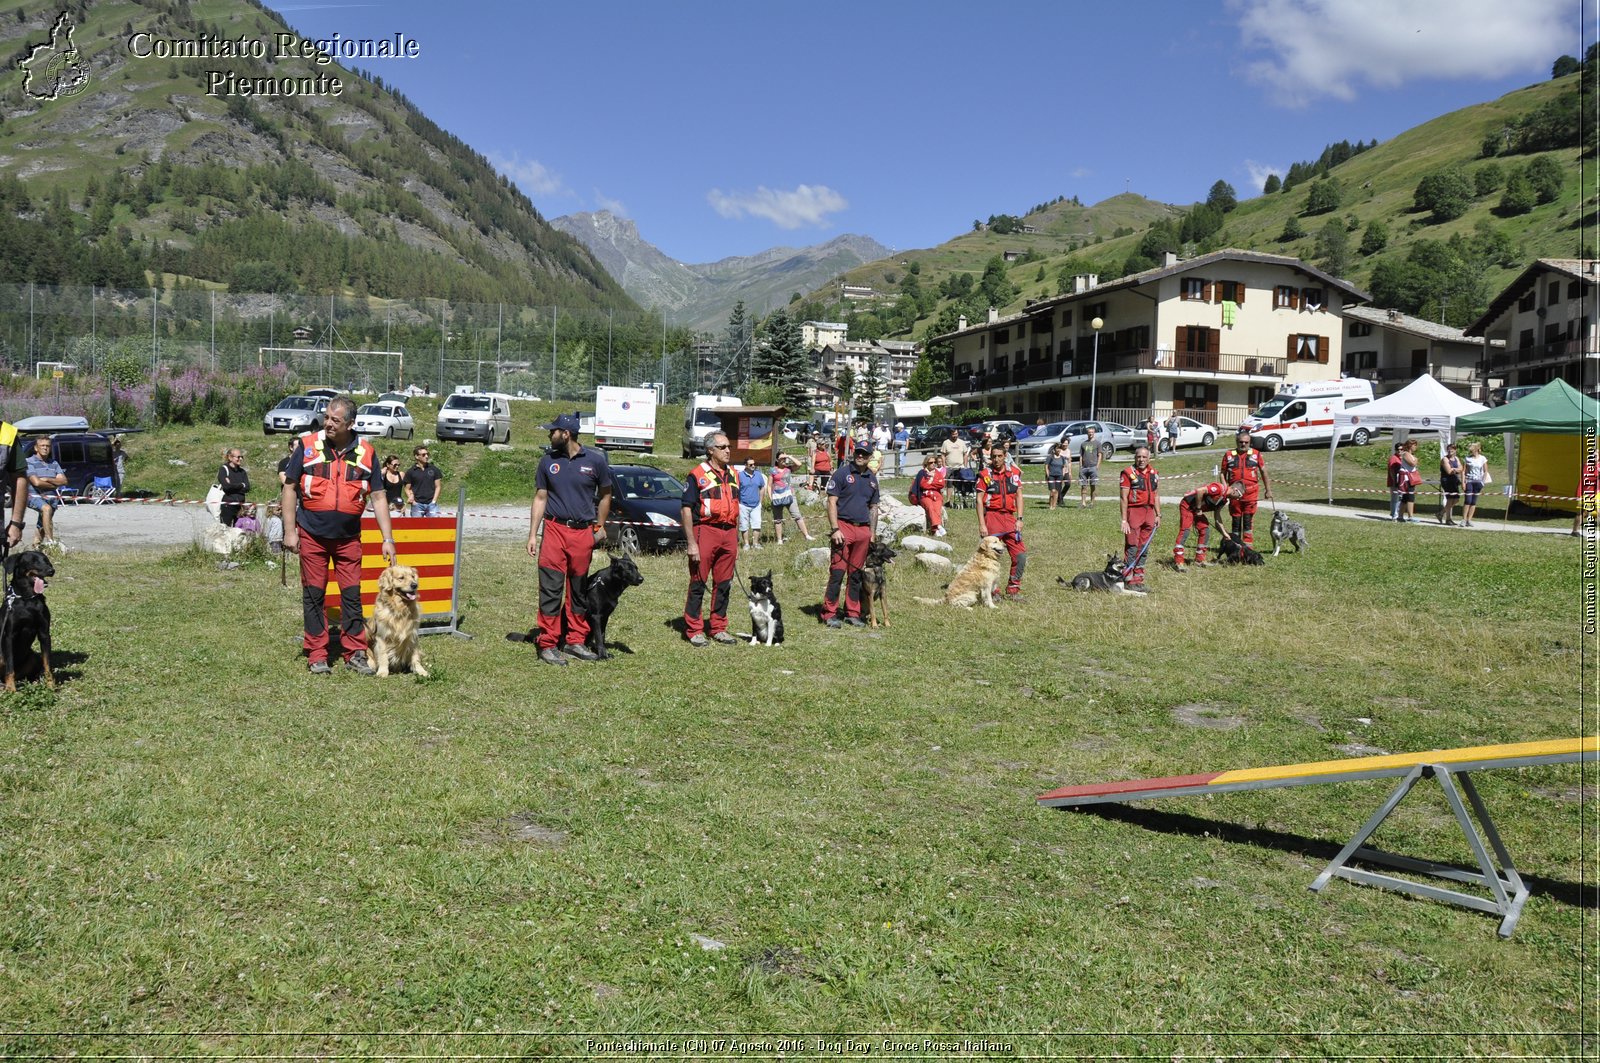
[1477, 476]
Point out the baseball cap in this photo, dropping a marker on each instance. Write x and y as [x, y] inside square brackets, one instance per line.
[863, 452]
[566, 422]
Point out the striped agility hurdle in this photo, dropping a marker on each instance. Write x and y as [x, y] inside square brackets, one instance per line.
[1448, 766]
[431, 545]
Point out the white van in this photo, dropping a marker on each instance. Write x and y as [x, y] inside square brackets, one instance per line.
[1303, 413]
[701, 419]
[476, 418]
[625, 418]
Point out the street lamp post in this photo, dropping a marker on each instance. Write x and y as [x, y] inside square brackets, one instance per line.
[1094, 370]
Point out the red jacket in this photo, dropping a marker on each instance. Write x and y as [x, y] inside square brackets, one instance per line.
[1000, 491]
[718, 495]
[331, 483]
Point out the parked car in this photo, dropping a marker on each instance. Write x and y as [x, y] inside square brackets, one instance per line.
[387, 419]
[467, 417]
[393, 396]
[296, 414]
[645, 506]
[1191, 433]
[929, 436]
[83, 455]
[1037, 446]
[1113, 436]
[1005, 431]
[324, 393]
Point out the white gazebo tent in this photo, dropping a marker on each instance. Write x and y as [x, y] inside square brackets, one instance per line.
[1422, 406]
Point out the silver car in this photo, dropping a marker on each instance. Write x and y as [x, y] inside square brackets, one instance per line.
[1111, 435]
[1038, 444]
[387, 419]
[295, 414]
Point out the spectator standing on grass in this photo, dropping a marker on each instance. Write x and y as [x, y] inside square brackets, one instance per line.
[45, 480]
[1245, 465]
[1140, 496]
[330, 476]
[394, 484]
[273, 529]
[1172, 432]
[754, 492]
[1058, 473]
[1395, 481]
[1089, 467]
[119, 460]
[710, 517]
[821, 463]
[1477, 479]
[853, 520]
[1451, 469]
[954, 451]
[902, 442]
[1000, 513]
[424, 482]
[927, 491]
[783, 500]
[234, 479]
[571, 502]
[1410, 480]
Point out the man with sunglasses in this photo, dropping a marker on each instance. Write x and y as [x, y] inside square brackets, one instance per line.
[710, 518]
[424, 483]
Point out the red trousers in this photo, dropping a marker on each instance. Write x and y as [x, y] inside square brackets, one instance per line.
[564, 556]
[844, 569]
[1136, 547]
[1201, 523]
[1005, 526]
[719, 548]
[933, 507]
[346, 555]
[1243, 512]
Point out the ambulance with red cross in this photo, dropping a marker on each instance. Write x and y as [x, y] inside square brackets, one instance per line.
[1303, 413]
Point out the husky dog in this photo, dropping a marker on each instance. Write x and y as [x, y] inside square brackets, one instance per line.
[1112, 578]
[766, 615]
[1289, 531]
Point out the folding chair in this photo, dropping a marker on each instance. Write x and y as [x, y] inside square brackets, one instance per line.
[102, 490]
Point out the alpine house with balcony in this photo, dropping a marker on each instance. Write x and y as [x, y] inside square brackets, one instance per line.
[1547, 320]
[1212, 337]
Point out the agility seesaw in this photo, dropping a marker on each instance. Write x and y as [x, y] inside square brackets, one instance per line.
[1446, 765]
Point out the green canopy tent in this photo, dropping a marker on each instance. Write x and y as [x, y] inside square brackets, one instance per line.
[1560, 424]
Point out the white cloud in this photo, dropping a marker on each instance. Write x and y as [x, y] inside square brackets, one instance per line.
[532, 176]
[605, 202]
[806, 205]
[1258, 172]
[1336, 47]
[1080, 171]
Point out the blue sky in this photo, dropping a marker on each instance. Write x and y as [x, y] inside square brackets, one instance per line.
[726, 128]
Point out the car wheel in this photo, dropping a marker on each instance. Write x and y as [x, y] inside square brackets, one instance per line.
[265, 430]
[1273, 444]
[1361, 438]
[628, 543]
[1107, 449]
[388, 433]
[1163, 445]
[1207, 439]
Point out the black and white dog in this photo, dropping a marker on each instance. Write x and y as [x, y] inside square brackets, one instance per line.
[1112, 578]
[1289, 531]
[1236, 553]
[766, 615]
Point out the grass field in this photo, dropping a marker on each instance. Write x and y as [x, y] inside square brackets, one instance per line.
[208, 851]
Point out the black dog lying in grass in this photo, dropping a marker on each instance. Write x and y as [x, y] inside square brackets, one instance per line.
[25, 618]
[1236, 553]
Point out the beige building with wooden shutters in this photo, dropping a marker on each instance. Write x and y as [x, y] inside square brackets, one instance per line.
[1212, 337]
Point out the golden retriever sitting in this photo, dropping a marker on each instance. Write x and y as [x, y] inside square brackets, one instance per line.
[976, 582]
[394, 622]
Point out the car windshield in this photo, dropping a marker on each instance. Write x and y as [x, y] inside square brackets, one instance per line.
[1270, 408]
[374, 410]
[1112, 426]
[297, 402]
[467, 402]
[1051, 429]
[648, 483]
[707, 417]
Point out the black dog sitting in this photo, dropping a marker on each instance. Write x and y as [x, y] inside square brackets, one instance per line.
[766, 615]
[600, 597]
[25, 617]
[1236, 553]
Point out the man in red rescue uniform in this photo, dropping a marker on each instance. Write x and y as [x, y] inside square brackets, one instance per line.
[1140, 494]
[710, 520]
[1000, 513]
[853, 521]
[1244, 465]
[1198, 510]
[326, 484]
[568, 517]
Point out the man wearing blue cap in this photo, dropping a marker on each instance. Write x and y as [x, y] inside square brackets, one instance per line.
[567, 520]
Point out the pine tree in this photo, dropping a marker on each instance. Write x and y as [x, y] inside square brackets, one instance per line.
[871, 389]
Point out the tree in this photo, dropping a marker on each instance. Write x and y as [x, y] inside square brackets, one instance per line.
[1272, 184]
[996, 283]
[1201, 222]
[872, 388]
[780, 360]
[846, 383]
[1545, 177]
[1222, 197]
[1447, 193]
[1376, 238]
[1567, 64]
[927, 377]
[1488, 178]
[1325, 195]
[1333, 247]
[1292, 230]
[736, 345]
[1518, 198]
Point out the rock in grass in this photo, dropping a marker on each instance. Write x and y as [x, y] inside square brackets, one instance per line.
[816, 557]
[937, 563]
[924, 543]
[709, 944]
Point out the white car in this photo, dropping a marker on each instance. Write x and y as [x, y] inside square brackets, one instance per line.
[389, 420]
[1191, 433]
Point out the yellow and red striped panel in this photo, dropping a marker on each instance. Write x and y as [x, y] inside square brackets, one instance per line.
[1320, 771]
[427, 544]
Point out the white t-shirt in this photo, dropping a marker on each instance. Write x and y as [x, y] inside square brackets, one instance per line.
[1477, 467]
